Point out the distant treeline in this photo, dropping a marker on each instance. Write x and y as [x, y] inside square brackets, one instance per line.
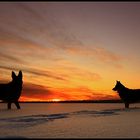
[75, 101]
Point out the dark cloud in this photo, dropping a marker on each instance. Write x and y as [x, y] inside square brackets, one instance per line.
[34, 90]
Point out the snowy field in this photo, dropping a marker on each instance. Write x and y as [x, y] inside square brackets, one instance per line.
[70, 120]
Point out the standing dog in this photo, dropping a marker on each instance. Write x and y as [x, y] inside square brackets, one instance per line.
[11, 91]
[127, 95]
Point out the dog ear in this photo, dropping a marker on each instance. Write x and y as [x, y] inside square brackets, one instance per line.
[20, 74]
[13, 75]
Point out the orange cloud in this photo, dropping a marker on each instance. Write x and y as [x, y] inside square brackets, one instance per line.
[41, 93]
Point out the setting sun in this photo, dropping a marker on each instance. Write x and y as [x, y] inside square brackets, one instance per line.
[56, 100]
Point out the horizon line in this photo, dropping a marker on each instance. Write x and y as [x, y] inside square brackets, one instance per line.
[75, 101]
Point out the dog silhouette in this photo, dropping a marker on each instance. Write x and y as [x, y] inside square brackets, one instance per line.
[127, 95]
[11, 91]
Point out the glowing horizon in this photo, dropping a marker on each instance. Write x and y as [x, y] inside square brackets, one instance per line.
[70, 51]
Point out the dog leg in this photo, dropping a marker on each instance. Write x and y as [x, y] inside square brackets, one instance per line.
[17, 105]
[9, 105]
[126, 105]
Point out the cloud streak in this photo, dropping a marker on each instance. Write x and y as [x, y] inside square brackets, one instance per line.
[100, 53]
[35, 72]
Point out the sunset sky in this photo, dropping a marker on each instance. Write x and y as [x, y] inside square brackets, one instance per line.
[70, 50]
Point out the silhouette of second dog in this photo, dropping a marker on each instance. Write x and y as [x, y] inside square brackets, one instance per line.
[127, 95]
[11, 91]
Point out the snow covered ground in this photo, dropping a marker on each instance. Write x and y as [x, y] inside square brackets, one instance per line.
[70, 120]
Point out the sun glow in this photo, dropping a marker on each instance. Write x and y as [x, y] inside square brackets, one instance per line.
[56, 100]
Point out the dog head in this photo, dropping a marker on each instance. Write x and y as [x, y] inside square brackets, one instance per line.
[117, 86]
[17, 79]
